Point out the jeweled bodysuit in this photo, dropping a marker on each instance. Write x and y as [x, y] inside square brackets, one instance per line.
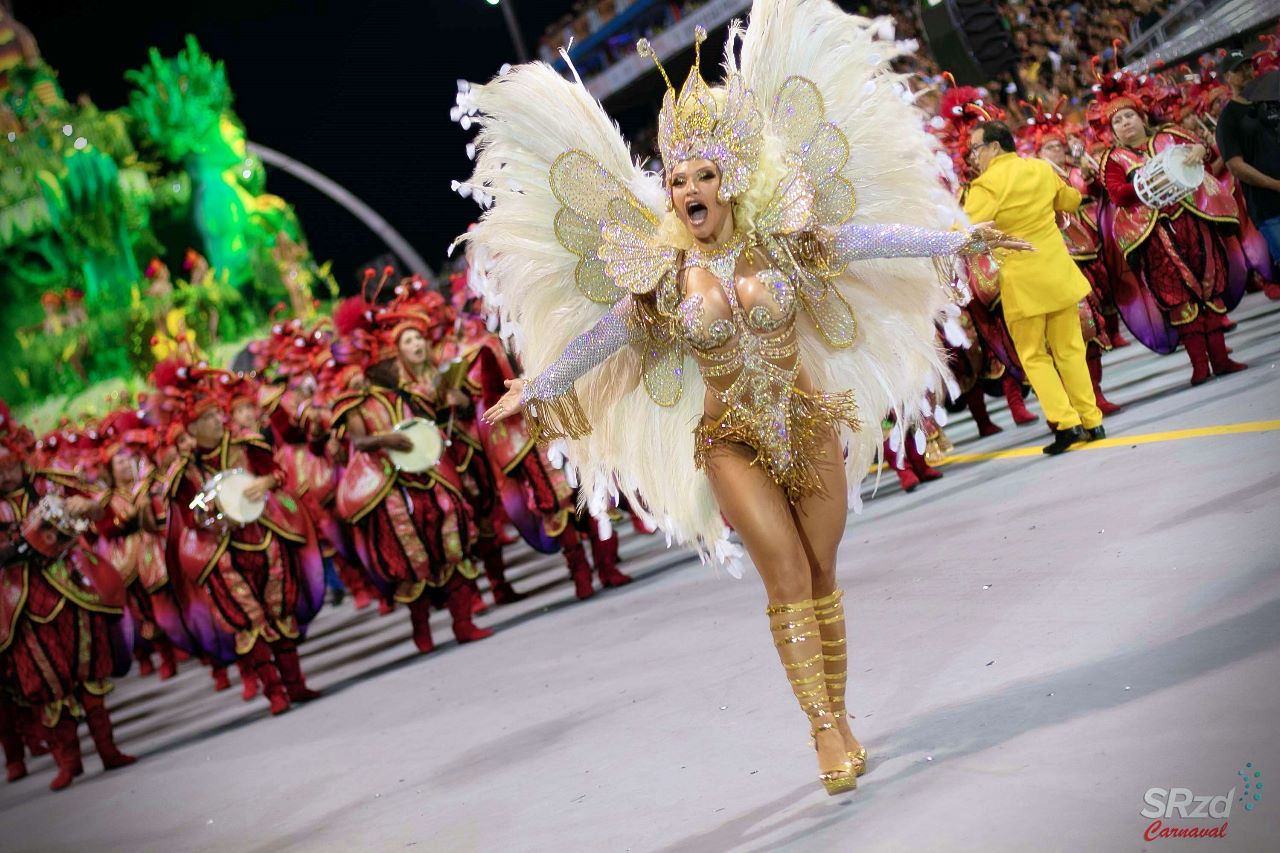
[750, 359]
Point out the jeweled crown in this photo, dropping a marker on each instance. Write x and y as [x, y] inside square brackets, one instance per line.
[692, 125]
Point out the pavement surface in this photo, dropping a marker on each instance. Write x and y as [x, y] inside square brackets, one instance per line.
[1035, 644]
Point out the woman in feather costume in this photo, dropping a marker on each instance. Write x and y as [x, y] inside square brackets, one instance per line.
[681, 329]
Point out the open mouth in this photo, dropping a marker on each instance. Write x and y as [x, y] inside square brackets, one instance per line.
[696, 211]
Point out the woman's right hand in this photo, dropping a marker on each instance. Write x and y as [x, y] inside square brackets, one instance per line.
[508, 405]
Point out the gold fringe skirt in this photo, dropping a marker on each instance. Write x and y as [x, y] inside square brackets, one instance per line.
[792, 456]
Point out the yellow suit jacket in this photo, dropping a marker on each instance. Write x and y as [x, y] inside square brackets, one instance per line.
[1022, 196]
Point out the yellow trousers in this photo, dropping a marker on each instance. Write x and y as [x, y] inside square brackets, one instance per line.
[1060, 380]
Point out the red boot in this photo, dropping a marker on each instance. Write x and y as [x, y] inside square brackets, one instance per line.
[33, 734]
[1095, 373]
[579, 568]
[978, 408]
[100, 729]
[64, 743]
[907, 478]
[290, 667]
[145, 667]
[220, 680]
[461, 594]
[15, 753]
[1118, 340]
[168, 661]
[263, 664]
[354, 580]
[420, 617]
[604, 554]
[1219, 359]
[248, 680]
[1198, 352]
[495, 569]
[1017, 406]
[638, 525]
[923, 470]
[385, 606]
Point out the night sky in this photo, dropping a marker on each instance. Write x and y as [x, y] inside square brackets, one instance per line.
[359, 91]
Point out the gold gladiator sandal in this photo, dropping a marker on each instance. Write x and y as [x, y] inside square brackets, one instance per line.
[829, 612]
[797, 639]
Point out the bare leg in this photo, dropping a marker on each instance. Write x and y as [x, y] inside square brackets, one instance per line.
[757, 508]
[820, 519]
[759, 511]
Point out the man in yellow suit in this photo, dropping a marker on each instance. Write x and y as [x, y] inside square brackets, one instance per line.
[1040, 290]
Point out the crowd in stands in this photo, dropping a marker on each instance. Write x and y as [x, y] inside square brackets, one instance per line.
[1054, 39]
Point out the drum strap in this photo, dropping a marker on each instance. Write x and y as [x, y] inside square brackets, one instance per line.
[254, 546]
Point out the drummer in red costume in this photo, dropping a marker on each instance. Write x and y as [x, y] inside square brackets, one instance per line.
[265, 578]
[442, 377]
[130, 538]
[535, 494]
[1178, 250]
[413, 531]
[55, 601]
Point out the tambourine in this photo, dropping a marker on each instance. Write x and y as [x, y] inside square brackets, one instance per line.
[222, 503]
[428, 446]
[1167, 178]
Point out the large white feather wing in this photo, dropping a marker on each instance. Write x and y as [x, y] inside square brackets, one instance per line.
[894, 172]
[529, 119]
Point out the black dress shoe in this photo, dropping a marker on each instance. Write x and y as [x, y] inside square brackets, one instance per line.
[1063, 439]
[1096, 434]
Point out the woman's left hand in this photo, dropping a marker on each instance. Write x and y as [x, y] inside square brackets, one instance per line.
[508, 405]
[988, 233]
[1196, 154]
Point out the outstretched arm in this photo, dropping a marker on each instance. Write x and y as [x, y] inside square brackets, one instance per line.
[548, 399]
[857, 242]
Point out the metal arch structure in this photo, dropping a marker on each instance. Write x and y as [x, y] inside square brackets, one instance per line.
[366, 214]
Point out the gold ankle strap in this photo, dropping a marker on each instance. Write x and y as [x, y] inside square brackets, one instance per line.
[794, 607]
[813, 661]
[788, 626]
[826, 601]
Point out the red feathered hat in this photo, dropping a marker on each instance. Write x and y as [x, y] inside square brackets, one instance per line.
[961, 109]
[186, 389]
[355, 329]
[124, 428]
[1042, 126]
[415, 295]
[1116, 90]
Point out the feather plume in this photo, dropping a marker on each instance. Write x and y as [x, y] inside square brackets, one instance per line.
[893, 166]
[528, 117]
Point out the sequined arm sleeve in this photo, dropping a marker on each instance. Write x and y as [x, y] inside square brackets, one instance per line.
[550, 405]
[854, 242]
